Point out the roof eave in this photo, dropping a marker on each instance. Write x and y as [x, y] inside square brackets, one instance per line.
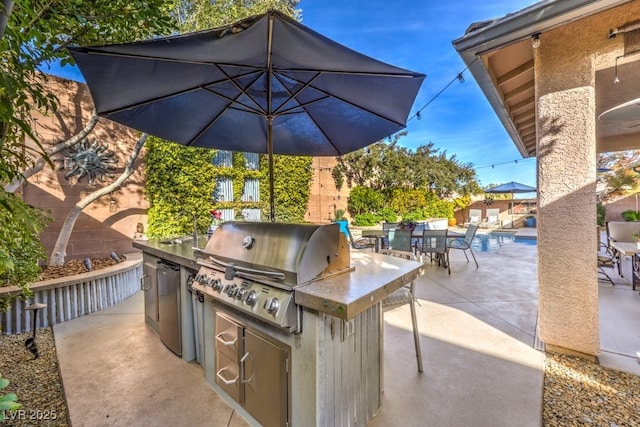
[515, 27]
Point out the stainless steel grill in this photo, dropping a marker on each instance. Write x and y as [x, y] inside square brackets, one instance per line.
[255, 267]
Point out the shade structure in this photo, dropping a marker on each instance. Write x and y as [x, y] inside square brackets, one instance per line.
[512, 188]
[266, 84]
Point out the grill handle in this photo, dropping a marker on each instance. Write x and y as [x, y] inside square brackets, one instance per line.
[243, 368]
[224, 380]
[231, 268]
[144, 276]
[220, 338]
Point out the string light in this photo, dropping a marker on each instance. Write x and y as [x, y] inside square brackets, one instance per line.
[458, 78]
[503, 163]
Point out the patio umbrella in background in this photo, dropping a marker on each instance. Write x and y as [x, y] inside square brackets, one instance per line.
[266, 84]
[512, 188]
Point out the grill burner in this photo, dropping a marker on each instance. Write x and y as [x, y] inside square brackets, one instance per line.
[255, 267]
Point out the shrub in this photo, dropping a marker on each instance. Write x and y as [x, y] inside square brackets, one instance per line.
[630, 215]
[20, 246]
[366, 219]
[601, 214]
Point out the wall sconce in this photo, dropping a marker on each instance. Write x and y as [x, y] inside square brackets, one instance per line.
[112, 206]
[536, 40]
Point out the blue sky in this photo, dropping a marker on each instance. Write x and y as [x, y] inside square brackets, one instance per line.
[417, 35]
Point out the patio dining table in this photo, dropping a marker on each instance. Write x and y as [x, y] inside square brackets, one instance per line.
[630, 249]
[379, 235]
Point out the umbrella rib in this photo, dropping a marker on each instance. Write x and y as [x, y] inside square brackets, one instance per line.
[232, 101]
[193, 89]
[328, 95]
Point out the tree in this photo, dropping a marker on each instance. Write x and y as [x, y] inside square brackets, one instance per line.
[32, 34]
[59, 250]
[387, 166]
[622, 179]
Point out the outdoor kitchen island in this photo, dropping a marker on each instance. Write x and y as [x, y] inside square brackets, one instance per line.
[302, 346]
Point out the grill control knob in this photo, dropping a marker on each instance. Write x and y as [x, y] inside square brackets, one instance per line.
[217, 285]
[251, 298]
[240, 293]
[272, 305]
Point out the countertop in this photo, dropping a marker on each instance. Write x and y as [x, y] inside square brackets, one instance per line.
[344, 295]
[179, 253]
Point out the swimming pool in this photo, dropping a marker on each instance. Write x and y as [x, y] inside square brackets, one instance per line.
[492, 241]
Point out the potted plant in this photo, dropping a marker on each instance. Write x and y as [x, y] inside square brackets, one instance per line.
[530, 221]
[339, 215]
[637, 237]
[407, 224]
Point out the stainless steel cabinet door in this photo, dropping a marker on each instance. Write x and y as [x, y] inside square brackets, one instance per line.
[149, 284]
[265, 379]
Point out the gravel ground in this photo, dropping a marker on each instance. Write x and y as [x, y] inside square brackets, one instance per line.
[580, 393]
[576, 392]
[36, 381]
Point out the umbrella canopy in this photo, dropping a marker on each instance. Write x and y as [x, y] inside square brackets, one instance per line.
[511, 187]
[266, 84]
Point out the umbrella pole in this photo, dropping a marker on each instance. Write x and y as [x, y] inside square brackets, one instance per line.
[270, 154]
[513, 208]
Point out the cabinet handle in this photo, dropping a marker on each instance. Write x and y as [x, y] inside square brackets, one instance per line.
[224, 380]
[220, 338]
[142, 283]
[243, 369]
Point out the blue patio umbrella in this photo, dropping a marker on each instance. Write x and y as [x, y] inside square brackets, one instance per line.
[266, 84]
[512, 188]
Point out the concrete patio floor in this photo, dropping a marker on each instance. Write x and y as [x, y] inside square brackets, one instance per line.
[477, 328]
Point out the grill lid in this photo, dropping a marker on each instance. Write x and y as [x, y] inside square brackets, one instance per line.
[300, 252]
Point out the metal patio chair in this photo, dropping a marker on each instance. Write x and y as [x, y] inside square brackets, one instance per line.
[464, 244]
[606, 259]
[362, 243]
[405, 295]
[400, 240]
[386, 226]
[434, 244]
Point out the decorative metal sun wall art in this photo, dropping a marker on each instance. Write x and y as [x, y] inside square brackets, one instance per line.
[90, 160]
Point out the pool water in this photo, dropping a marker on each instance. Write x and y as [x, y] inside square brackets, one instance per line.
[490, 242]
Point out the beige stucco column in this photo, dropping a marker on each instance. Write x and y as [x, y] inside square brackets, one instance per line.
[566, 151]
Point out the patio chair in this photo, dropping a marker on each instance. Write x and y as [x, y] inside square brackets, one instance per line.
[386, 226]
[492, 219]
[464, 244]
[434, 244]
[400, 240]
[405, 295]
[475, 216]
[606, 259]
[362, 243]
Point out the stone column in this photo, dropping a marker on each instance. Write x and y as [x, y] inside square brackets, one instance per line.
[566, 151]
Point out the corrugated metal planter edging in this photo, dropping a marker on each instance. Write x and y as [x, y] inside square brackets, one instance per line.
[70, 297]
